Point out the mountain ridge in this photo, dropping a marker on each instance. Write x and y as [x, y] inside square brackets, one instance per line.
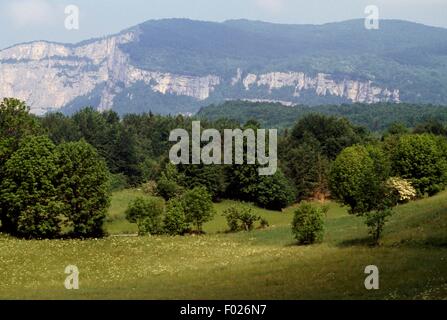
[180, 65]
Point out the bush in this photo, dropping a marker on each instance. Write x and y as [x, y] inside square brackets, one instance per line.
[147, 214]
[168, 189]
[232, 216]
[308, 223]
[242, 219]
[274, 192]
[168, 186]
[198, 207]
[175, 219]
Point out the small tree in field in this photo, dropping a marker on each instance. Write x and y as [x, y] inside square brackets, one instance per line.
[308, 223]
[359, 178]
[198, 207]
[147, 214]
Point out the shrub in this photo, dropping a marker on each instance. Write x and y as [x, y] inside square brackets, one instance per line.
[147, 214]
[198, 207]
[242, 219]
[248, 219]
[232, 216]
[175, 219]
[274, 192]
[168, 189]
[168, 186]
[308, 223]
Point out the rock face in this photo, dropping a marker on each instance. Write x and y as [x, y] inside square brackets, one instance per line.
[49, 76]
[322, 84]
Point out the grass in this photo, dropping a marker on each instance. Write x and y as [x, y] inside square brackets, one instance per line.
[263, 264]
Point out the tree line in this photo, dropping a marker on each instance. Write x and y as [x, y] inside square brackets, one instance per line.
[57, 171]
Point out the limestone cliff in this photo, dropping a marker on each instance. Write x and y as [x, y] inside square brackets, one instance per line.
[321, 84]
[49, 76]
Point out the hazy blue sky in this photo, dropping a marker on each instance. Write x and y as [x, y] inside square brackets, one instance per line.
[27, 20]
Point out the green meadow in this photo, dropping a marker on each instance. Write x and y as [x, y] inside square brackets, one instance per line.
[262, 264]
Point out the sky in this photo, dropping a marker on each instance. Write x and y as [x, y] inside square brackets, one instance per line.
[29, 20]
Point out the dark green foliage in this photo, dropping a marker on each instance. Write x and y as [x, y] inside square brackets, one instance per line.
[147, 214]
[83, 186]
[50, 191]
[376, 117]
[274, 192]
[308, 223]
[60, 128]
[212, 177]
[175, 218]
[422, 160]
[150, 169]
[314, 141]
[168, 185]
[328, 134]
[397, 128]
[15, 124]
[307, 168]
[198, 207]
[29, 202]
[432, 126]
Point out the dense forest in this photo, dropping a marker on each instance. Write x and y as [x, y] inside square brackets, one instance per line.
[375, 117]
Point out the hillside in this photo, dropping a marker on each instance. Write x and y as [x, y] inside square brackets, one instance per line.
[178, 65]
[263, 264]
[376, 117]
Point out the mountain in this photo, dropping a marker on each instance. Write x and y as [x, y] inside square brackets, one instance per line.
[179, 66]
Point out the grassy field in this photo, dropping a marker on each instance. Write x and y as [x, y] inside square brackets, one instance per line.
[263, 264]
